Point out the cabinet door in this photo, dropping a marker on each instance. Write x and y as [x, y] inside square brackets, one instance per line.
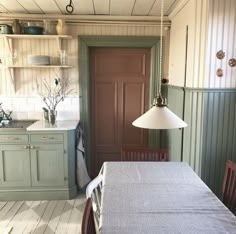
[14, 166]
[47, 165]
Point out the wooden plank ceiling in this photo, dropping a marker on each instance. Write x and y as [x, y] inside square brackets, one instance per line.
[88, 7]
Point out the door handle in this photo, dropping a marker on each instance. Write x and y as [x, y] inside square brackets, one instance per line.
[12, 138]
[47, 138]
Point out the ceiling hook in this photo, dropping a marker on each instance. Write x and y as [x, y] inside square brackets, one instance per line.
[69, 7]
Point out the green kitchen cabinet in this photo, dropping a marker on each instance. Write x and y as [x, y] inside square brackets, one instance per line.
[14, 166]
[47, 165]
[37, 165]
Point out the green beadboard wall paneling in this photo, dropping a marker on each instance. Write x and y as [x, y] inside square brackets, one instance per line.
[154, 136]
[84, 85]
[219, 136]
[209, 140]
[192, 141]
[174, 136]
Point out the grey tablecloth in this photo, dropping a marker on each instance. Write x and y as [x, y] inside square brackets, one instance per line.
[159, 197]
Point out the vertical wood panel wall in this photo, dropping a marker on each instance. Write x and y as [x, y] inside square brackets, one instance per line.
[209, 140]
[221, 36]
[187, 55]
[174, 136]
[25, 77]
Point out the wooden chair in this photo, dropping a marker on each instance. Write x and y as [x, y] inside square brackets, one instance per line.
[229, 186]
[143, 154]
[94, 191]
[88, 225]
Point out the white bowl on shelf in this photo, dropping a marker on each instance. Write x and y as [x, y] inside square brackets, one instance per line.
[38, 59]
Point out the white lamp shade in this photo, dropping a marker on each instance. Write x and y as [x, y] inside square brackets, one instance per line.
[159, 118]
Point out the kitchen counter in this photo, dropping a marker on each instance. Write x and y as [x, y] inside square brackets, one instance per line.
[60, 125]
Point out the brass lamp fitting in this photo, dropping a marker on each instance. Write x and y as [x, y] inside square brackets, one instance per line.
[159, 101]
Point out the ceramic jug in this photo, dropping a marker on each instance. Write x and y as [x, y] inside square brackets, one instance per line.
[61, 27]
[16, 27]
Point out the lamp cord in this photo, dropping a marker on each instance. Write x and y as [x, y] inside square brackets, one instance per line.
[161, 45]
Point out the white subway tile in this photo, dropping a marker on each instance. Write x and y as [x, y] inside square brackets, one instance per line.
[34, 100]
[35, 115]
[75, 101]
[62, 115]
[20, 115]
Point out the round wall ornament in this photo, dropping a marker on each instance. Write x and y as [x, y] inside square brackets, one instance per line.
[232, 62]
[219, 72]
[220, 54]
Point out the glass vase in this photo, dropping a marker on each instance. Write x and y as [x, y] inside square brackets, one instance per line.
[52, 116]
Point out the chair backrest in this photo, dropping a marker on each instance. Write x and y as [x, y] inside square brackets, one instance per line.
[88, 225]
[94, 191]
[143, 154]
[229, 186]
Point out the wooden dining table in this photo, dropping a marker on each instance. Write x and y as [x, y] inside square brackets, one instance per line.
[159, 197]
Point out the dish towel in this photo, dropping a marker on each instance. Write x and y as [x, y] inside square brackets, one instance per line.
[81, 170]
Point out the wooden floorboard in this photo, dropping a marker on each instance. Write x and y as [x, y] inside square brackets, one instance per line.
[64, 219]
[49, 217]
[52, 224]
[36, 214]
[2, 204]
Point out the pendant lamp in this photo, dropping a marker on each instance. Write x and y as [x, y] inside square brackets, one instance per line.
[159, 116]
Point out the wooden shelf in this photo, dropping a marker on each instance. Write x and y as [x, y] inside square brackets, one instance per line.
[9, 38]
[27, 36]
[38, 66]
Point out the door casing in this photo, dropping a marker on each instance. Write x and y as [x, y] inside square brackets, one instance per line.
[85, 42]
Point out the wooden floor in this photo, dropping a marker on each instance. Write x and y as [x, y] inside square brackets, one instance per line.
[59, 216]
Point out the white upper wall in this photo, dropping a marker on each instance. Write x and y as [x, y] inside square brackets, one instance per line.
[221, 36]
[192, 20]
[211, 27]
[183, 19]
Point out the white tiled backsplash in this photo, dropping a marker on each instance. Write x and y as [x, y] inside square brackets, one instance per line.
[31, 107]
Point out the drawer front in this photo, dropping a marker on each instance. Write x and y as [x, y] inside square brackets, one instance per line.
[13, 138]
[47, 138]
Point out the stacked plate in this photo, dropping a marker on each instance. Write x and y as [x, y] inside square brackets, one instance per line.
[38, 59]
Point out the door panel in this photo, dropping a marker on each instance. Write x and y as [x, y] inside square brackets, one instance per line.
[14, 166]
[106, 109]
[47, 165]
[133, 94]
[119, 94]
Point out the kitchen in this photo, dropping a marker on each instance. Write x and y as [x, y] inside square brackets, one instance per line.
[200, 97]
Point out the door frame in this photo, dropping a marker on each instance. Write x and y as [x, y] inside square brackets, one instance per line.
[85, 42]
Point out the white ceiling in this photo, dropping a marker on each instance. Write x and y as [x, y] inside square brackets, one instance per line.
[88, 7]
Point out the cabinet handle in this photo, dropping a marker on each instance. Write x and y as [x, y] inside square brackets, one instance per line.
[26, 147]
[12, 138]
[47, 138]
[32, 147]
